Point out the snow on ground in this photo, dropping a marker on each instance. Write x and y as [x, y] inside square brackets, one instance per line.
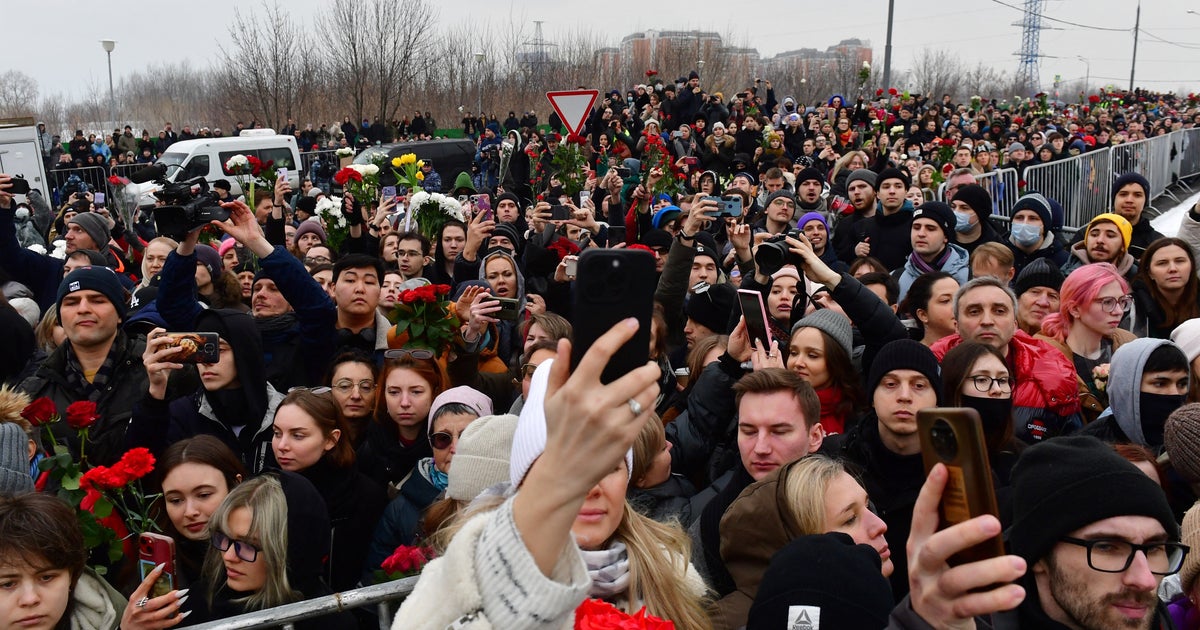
[1168, 222]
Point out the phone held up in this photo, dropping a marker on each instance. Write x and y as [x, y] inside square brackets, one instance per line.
[612, 285]
[954, 437]
[195, 347]
[153, 550]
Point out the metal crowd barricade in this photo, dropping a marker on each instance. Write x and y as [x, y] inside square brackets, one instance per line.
[96, 177]
[1189, 154]
[380, 595]
[1004, 187]
[1081, 184]
[307, 159]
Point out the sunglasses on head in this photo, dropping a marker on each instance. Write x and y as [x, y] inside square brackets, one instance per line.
[416, 353]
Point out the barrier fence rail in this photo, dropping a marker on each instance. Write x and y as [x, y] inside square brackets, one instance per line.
[379, 595]
[1081, 184]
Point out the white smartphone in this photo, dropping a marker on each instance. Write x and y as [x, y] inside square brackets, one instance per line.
[572, 269]
[283, 173]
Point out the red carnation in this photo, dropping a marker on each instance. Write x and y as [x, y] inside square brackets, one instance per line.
[947, 169]
[102, 478]
[1093, 99]
[39, 412]
[135, 463]
[82, 414]
[442, 289]
[650, 73]
[893, 91]
[879, 92]
[345, 175]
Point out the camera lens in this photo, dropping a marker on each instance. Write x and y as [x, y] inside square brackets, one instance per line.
[945, 442]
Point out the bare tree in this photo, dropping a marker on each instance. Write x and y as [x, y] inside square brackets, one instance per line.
[18, 94]
[937, 72]
[261, 75]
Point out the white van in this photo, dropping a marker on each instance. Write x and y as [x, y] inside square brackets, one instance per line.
[206, 157]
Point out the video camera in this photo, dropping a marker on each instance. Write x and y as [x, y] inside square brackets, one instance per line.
[774, 253]
[185, 210]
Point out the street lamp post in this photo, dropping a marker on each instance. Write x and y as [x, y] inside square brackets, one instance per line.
[1088, 77]
[109, 45]
[479, 56]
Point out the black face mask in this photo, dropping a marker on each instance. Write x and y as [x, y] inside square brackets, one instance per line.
[1155, 408]
[994, 412]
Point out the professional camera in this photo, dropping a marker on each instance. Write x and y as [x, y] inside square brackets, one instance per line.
[774, 253]
[186, 210]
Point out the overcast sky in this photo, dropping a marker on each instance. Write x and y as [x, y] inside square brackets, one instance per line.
[57, 41]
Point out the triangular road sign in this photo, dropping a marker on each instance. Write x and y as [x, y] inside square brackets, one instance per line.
[573, 106]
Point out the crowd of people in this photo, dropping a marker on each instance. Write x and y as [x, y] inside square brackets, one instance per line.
[733, 480]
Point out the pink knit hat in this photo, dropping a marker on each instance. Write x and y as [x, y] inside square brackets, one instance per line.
[463, 395]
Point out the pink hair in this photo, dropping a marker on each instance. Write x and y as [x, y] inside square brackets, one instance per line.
[1079, 290]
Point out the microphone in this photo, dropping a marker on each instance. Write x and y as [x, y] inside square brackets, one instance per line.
[149, 174]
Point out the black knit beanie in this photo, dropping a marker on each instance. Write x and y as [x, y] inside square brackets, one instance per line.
[978, 198]
[807, 174]
[1127, 179]
[1066, 483]
[712, 306]
[906, 354]
[892, 173]
[940, 214]
[826, 580]
[1039, 273]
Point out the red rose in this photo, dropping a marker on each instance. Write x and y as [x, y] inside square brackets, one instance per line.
[82, 414]
[879, 92]
[947, 169]
[893, 91]
[39, 412]
[443, 289]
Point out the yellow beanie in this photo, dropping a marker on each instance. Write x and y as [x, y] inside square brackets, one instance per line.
[1121, 222]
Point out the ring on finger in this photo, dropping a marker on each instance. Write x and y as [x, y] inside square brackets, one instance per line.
[141, 603]
[635, 407]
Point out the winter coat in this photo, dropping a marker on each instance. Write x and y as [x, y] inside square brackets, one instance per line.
[40, 272]
[704, 438]
[157, 424]
[488, 579]
[668, 501]
[1046, 398]
[401, 519]
[126, 385]
[890, 236]
[957, 265]
[354, 503]
[382, 456]
[892, 481]
[1090, 405]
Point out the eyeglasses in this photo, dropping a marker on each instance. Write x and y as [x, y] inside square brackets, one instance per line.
[243, 549]
[416, 353]
[984, 383]
[317, 260]
[528, 369]
[345, 385]
[1115, 556]
[1110, 304]
[442, 440]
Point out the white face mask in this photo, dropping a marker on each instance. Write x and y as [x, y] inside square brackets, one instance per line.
[1026, 234]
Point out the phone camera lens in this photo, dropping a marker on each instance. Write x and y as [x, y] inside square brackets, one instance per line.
[945, 443]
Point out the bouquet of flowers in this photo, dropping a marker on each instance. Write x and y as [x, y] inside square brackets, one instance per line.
[249, 171]
[432, 210]
[337, 228]
[864, 73]
[655, 155]
[407, 169]
[406, 561]
[595, 614]
[426, 316]
[111, 505]
[360, 180]
[570, 164]
[345, 152]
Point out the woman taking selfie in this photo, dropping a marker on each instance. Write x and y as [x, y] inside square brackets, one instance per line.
[567, 534]
[310, 439]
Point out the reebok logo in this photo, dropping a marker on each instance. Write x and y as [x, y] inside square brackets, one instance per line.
[804, 618]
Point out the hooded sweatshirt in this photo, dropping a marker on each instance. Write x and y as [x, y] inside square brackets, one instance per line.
[1123, 421]
[508, 330]
[957, 265]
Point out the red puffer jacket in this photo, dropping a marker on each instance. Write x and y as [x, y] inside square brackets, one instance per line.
[1046, 398]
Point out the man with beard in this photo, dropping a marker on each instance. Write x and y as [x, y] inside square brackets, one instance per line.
[886, 236]
[860, 188]
[809, 185]
[1106, 240]
[1093, 534]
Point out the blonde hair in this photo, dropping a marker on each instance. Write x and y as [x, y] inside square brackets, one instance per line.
[649, 442]
[263, 496]
[802, 487]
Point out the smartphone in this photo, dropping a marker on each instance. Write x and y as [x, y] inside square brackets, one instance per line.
[20, 186]
[389, 192]
[613, 285]
[616, 234]
[560, 213]
[954, 437]
[691, 161]
[717, 200]
[622, 172]
[755, 313]
[153, 550]
[463, 199]
[585, 239]
[98, 199]
[283, 173]
[510, 309]
[482, 202]
[196, 347]
[572, 269]
[731, 205]
[583, 197]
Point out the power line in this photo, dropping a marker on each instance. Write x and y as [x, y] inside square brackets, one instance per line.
[1076, 24]
[1165, 41]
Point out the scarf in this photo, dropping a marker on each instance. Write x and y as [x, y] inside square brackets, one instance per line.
[923, 267]
[831, 399]
[436, 477]
[75, 378]
[608, 569]
[276, 326]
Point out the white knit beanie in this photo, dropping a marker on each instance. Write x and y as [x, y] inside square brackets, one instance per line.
[530, 438]
[1187, 337]
[481, 458]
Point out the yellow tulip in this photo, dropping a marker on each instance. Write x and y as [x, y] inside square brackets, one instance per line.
[420, 163]
[408, 158]
[420, 176]
[397, 162]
